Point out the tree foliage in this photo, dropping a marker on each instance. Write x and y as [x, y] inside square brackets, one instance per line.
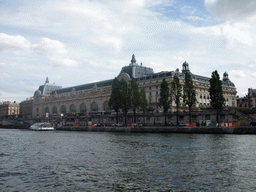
[115, 101]
[216, 92]
[115, 97]
[164, 99]
[143, 103]
[189, 93]
[135, 97]
[125, 93]
[143, 100]
[176, 93]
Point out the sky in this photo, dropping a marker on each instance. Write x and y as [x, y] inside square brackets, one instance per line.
[74, 42]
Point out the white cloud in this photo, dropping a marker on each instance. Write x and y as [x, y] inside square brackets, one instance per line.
[232, 9]
[254, 75]
[194, 18]
[15, 44]
[232, 34]
[188, 10]
[237, 73]
[178, 58]
[251, 64]
[57, 52]
[105, 34]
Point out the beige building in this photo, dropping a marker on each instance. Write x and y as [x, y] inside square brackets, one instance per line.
[248, 101]
[90, 98]
[8, 108]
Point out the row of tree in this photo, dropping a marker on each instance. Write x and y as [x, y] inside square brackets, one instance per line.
[126, 96]
[167, 96]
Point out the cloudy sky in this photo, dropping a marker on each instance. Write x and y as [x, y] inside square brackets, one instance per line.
[73, 42]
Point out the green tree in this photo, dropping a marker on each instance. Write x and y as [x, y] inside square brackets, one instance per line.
[143, 103]
[216, 93]
[125, 92]
[189, 93]
[176, 94]
[135, 97]
[164, 99]
[115, 101]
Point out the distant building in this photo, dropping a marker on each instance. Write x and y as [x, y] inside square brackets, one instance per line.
[252, 98]
[249, 100]
[42, 94]
[8, 108]
[26, 108]
[93, 97]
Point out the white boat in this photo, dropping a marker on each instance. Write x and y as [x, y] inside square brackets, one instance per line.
[42, 127]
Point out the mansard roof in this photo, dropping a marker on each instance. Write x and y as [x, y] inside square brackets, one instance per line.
[84, 86]
[150, 76]
[135, 70]
[182, 75]
[47, 88]
[141, 73]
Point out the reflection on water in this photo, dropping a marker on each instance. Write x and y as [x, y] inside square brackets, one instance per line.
[84, 161]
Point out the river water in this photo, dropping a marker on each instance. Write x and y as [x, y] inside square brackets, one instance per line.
[91, 161]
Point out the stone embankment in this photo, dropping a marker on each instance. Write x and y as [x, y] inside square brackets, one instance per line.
[173, 129]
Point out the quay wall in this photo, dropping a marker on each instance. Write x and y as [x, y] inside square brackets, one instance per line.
[190, 130]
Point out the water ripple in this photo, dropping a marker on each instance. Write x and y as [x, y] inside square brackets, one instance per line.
[75, 161]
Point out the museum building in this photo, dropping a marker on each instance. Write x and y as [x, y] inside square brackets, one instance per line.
[93, 97]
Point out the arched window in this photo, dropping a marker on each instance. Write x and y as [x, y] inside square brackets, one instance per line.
[94, 106]
[106, 106]
[46, 110]
[54, 110]
[82, 108]
[63, 109]
[72, 108]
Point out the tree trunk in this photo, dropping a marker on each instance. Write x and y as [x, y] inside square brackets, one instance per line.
[165, 122]
[189, 114]
[217, 115]
[143, 117]
[177, 114]
[125, 114]
[117, 117]
[134, 116]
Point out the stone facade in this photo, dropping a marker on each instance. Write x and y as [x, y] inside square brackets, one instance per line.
[248, 101]
[252, 98]
[8, 108]
[93, 97]
[26, 108]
